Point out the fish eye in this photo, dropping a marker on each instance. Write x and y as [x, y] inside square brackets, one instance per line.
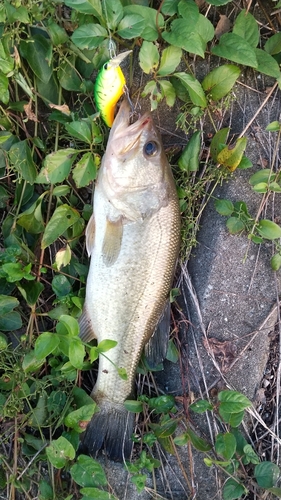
[150, 148]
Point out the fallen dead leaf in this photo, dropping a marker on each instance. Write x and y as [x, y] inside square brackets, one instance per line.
[29, 113]
[225, 351]
[223, 26]
[63, 108]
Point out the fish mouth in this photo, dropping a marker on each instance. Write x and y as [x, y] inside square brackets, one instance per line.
[126, 136]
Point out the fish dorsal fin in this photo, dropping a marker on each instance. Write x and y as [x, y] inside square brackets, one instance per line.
[112, 241]
[156, 348]
[90, 235]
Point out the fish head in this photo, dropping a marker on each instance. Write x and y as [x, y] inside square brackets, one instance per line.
[135, 165]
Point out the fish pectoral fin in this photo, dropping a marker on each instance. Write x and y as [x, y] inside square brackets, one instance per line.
[86, 329]
[156, 348]
[112, 241]
[90, 234]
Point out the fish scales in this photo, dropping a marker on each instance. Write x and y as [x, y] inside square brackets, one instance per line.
[133, 238]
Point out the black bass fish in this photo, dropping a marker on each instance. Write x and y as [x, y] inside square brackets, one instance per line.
[133, 239]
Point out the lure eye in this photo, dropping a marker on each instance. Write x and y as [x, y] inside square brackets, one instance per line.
[150, 148]
[105, 66]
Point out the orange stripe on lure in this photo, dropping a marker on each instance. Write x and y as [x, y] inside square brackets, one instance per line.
[109, 87]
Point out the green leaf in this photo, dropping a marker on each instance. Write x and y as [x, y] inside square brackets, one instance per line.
[172, 354]
[62, 287]
[275, 491]
[233, 401]
[273, 44]
[189, 10]
[265, 175]
[273, 126]
[218, 143]
[4, 92]
[218, 3]
[31, 291]
[269, 229]
[70, 324]
[21, 157]
[181, 440]
[170, 59]
[220, 81]
[245, 163]
[224, 207]
[275, 262]
[246, 26]
[184, 36]
[250, 455]
[85, 170]
[148, 57]
[86, 7]
[225, 445]
[59, 452]
[7, 304]
[80, 130]
[231, 156]
[63, 218]
[88, 472]
[97, 494]
[122, 373]
[30, 363]
[6, 61]
[189, 160]
[38, 53]
[266, 474]
[45, 344]
[68, 76]
[198, 443]
[194, 88]
[10, 322]
[261, 187]
[201, 406]
[89, 36]
[267, 64]
[106, 345]
[56, 166]
[45, 490]
[131, 26]
[113, 12]
[235, 48]
[77, 418]
[57, 34]
[168, 92]
[233, 489]
[169, 7]
[76, 353]
[153, 20]
[133, 406]
[39, 414]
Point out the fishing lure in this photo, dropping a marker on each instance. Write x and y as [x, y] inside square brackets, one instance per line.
[109, 87]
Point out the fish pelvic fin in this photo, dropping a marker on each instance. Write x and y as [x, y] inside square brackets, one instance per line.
[86, 329]
[90, 234]
[110, 429]
[112, 241]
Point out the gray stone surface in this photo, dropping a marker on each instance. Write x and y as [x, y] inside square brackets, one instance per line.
[228, 294]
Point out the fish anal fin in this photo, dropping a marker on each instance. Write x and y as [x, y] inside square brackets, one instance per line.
[112, 241]
[86, 329]
[90, 234]
[156, 348]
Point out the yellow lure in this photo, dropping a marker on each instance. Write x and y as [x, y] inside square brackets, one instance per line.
[109, 87]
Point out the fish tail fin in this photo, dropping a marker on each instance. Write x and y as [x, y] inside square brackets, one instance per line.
[110, 429]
